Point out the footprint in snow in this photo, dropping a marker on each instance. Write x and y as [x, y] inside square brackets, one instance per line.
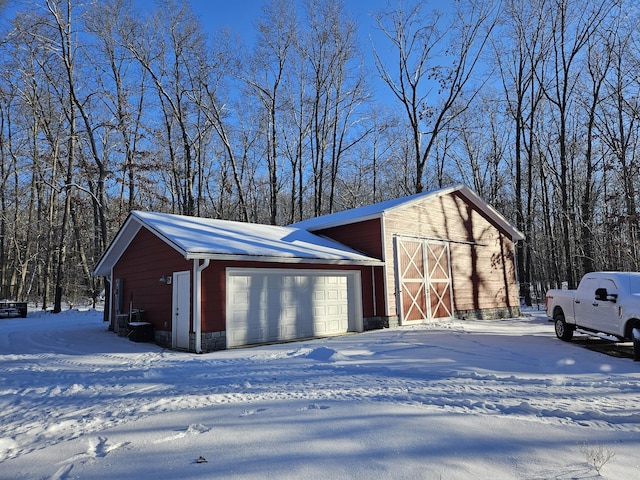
[97, 449]
[101, 447]
[246, 413]
[193, 429]
[62, 473]
[313, 406]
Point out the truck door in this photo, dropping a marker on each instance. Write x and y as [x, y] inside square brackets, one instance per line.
[585, 304]
[605, 313]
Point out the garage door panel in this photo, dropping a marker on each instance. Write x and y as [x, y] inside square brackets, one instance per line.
[333, 310]
[268, 305]
[237, 337]
[240, 298]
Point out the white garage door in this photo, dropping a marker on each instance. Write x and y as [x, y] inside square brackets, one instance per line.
[271, 305]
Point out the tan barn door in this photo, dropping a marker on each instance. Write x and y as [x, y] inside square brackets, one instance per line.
[423, 278]
[439, 279]
[410, 263]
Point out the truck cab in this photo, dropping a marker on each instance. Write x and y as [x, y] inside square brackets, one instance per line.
[595, 304]
[604, 302]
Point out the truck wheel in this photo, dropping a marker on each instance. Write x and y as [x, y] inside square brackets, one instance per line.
[636, 344]
[563, 331]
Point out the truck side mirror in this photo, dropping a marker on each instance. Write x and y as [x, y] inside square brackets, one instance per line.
[601, 294]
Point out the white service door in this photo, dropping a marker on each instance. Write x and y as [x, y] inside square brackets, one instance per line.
[271, 305]
[181, 310]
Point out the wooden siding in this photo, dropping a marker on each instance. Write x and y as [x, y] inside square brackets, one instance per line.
[483, 271]
[487, 280]
[362, 236]
[141, 266]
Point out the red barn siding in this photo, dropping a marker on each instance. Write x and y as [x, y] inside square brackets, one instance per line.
[142, 264]
[148, 258]
[365, 236]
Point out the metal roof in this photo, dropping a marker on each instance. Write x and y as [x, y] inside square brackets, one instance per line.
[377, 210]
[206, 238]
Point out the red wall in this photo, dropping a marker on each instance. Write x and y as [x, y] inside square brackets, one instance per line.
[143, 263]
[148, 258]
[365, 237]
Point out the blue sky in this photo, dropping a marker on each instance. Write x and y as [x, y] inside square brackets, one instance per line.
[240, 16]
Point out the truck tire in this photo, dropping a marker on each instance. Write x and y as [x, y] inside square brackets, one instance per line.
[636, 343]
[563, 331]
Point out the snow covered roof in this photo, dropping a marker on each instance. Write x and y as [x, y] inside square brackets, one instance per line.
[203, 238]
[377, 210]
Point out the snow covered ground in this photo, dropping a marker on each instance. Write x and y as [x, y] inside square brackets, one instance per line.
[453, 400]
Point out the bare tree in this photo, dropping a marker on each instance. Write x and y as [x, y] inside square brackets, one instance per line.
[61, 14]
[519, 53]
[296, 130]
[336, 93]
[170, 52]
[620, 131]
[480, 142]
[599, 61]
[217, 109]
[572, 25]
[277, 31]
[436, 59]
[124, 86]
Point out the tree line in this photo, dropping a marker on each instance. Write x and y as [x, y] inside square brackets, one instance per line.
[106, 108]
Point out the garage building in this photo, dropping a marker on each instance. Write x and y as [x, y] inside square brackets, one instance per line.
[207, 284]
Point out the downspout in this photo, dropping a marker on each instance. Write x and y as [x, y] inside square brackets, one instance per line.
[373, 288]
[197, 301]
[109, 300]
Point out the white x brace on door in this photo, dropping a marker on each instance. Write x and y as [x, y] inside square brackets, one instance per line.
[423, 279]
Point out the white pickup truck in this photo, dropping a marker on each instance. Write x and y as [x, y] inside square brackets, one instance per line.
[605, 302]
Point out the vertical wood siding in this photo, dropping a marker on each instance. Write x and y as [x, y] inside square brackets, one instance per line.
[482, 256]
[362, 236]
[142, 264]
